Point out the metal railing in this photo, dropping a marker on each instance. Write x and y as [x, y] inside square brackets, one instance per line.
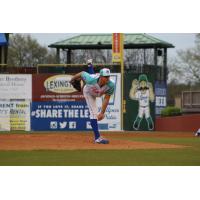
[74, 68]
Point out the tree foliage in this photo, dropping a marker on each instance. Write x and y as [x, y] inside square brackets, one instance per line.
[24, 51]
[98, 56]
[132, 57]
[186, 67]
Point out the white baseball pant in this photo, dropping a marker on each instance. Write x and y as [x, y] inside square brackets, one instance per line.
[91, 103]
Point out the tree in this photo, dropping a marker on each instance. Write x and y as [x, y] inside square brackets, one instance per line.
[186, 67]
[132, 57]
[135, 57]
[98, 56]
[25, 51]
[175, 72]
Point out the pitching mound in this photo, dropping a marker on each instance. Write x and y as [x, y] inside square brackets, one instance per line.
[75, 141]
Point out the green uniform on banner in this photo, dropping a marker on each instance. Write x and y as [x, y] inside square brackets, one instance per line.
[140, 102]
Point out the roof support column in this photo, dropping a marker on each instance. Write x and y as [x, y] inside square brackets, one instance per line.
[165, 64]
[155, 57]
[6, 48]
[145, 62]
[159, 70]
[69, 56]
[2, 56]
[58, 55]
[156, 63]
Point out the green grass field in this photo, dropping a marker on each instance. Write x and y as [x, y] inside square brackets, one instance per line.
[189, 156]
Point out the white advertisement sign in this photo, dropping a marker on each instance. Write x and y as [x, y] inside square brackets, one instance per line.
[20, 116]
[4, 115]
[14, 115]
[112, 120]
[15, 86]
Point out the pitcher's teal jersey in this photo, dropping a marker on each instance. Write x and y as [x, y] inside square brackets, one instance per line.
[93, 87]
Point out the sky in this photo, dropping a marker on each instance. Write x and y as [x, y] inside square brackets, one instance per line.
[179, 40]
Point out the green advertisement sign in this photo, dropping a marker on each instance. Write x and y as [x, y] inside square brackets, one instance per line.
[140, 102]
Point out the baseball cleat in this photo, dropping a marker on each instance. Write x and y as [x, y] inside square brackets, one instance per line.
[101, 140]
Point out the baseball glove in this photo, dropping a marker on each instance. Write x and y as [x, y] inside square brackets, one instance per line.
[76, 84]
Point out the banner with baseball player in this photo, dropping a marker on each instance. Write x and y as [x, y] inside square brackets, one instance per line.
[140, 102]
[112, 120]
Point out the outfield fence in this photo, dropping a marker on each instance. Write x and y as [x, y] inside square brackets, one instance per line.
[47, 102]
[50, 105]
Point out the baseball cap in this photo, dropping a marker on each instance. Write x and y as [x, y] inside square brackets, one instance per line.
[143, 77]
[105, 72]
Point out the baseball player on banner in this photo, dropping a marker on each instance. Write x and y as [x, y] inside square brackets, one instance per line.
[96, 85]
[142, 91]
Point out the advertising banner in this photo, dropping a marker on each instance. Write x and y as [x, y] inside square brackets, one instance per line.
[73, 115]
[15, 115]
[51, 87]
[161, 96]
[112, 120]
[117, 47]
[5, 115]
[60, 116]
[15, 86]
[20, 115]
[140, 102]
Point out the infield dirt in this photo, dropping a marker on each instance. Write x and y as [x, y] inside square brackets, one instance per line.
[78, 141]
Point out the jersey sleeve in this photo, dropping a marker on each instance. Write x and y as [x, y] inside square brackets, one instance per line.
[111, 89]
[87, 78]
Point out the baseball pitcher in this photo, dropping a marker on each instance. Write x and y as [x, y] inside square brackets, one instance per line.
[96, 86]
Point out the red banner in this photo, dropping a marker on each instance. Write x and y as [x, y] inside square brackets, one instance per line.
[116, 42]
[117, 47]
[51, 87]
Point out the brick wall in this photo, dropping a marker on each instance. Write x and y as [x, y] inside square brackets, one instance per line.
[178, 123]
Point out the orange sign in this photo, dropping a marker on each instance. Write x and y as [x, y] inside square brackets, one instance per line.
[117, 47]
